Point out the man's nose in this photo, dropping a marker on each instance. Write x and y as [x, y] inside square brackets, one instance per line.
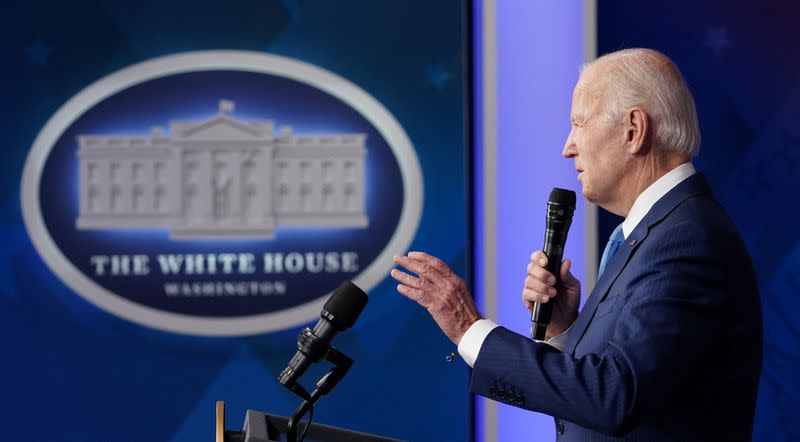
[569, 148]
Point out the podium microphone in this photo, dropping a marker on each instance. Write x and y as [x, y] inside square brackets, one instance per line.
[339, 313]
[560, 208]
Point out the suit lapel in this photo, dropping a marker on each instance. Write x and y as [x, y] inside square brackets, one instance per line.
[691, 186]
[600, 290]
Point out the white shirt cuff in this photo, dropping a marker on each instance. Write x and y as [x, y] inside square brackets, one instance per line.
[559, 342]
[471, 342]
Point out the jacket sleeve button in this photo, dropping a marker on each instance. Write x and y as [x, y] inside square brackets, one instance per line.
[560, 427]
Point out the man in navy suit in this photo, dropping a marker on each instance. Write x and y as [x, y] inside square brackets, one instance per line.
[668, 344]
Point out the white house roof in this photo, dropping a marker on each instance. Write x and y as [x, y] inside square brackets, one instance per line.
[221, 127]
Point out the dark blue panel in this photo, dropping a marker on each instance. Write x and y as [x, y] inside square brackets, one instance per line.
[739, 58]
[100, 378]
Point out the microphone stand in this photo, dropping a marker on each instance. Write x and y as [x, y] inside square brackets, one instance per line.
[325, 385]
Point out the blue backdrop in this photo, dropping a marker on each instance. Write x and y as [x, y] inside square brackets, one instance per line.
[740, 60]
[99, 378]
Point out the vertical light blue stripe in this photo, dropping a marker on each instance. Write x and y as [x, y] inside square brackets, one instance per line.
[540, 50]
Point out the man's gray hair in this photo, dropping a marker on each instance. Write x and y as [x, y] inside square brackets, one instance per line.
[647, 78]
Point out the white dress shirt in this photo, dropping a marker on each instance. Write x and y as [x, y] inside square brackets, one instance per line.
[471, 342]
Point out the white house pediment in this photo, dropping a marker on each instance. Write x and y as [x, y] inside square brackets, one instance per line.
[223, 129]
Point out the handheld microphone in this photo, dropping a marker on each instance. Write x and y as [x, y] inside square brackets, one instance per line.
[560, 208]
[339, 313]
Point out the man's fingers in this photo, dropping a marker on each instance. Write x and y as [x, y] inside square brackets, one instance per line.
[539, 258]
[410, 292]
[528, 305]
[567, 278]
[410, 286]
[432, 261]
[423, 269]
[541, 273]
[432, 269]
[405, 278]
[537, 285]
[533, 296]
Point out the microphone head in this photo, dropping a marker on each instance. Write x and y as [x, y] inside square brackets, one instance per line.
[344, 306]
[562, 197]
[560, 208]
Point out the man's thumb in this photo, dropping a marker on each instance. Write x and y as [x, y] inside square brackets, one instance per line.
[565, 265]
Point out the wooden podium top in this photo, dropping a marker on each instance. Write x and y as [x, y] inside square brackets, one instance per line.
[220, 421]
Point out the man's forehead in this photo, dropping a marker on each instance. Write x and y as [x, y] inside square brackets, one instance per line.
[583, 94]
[579, 90]
[589, 88]
[587, 82]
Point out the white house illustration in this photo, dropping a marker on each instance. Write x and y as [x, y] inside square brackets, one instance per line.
[221, 177]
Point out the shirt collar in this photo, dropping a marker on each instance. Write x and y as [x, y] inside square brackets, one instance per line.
[645, 201]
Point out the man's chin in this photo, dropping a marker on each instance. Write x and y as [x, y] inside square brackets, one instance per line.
[587, 194]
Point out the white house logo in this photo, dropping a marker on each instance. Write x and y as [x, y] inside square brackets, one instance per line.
[220, 192]
[221, 177]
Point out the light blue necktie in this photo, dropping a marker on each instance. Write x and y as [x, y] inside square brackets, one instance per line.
[614, 241]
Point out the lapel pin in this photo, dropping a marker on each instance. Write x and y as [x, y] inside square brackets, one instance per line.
[632, 242]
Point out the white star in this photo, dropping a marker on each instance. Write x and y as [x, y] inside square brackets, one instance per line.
[717, 40]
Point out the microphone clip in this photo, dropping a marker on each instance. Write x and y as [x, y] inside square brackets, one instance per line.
[312, 346]
[341, 364]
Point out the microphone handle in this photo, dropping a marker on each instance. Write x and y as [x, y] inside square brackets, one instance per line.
[541, 313]
[297, 366]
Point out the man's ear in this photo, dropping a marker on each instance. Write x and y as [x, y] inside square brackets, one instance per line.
[637, 130]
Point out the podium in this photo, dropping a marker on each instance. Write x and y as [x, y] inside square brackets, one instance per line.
[264, 427]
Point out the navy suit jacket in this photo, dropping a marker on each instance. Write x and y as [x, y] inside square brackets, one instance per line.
[667, 347]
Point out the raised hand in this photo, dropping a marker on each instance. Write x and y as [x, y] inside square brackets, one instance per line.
[439, 290]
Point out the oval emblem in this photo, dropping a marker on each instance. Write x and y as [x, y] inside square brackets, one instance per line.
[220, 193]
